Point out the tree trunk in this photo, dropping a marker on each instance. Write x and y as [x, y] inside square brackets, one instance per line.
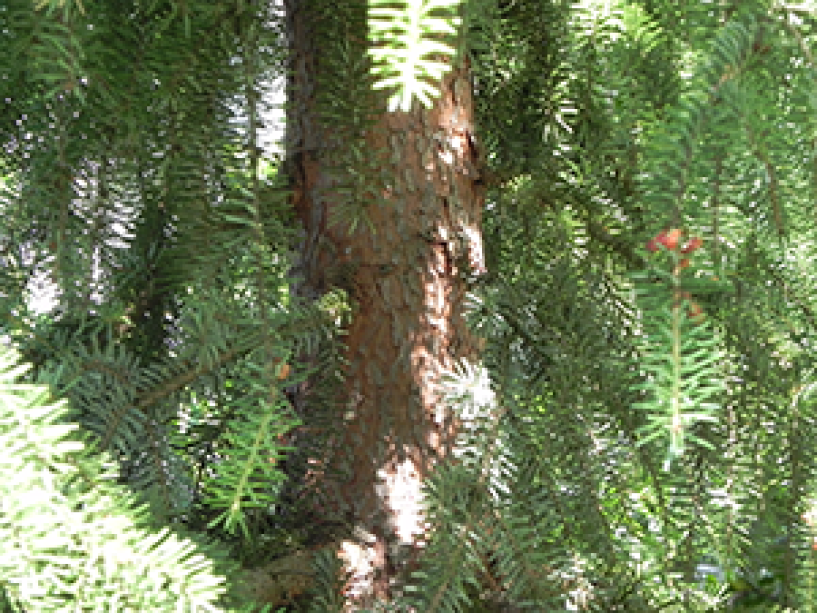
[406, 274]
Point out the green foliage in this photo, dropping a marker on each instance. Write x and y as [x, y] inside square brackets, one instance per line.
[134, 179]
[679, 371]
[73, 539]
[247, 475]
[140, 192]
[412, 47]
[328, 589]
[627, 119]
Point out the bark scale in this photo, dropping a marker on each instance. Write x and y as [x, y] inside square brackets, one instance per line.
[407, 277]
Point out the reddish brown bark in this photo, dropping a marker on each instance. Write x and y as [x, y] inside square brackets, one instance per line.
[407, 278]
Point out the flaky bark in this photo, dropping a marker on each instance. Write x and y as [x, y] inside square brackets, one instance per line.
[406, 275]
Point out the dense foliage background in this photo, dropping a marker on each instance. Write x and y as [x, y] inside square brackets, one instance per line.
[639, 436]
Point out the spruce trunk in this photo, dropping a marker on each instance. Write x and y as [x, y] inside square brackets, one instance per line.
[406, 273]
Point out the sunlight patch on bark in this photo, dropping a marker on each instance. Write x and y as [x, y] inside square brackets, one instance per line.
[402, 491]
